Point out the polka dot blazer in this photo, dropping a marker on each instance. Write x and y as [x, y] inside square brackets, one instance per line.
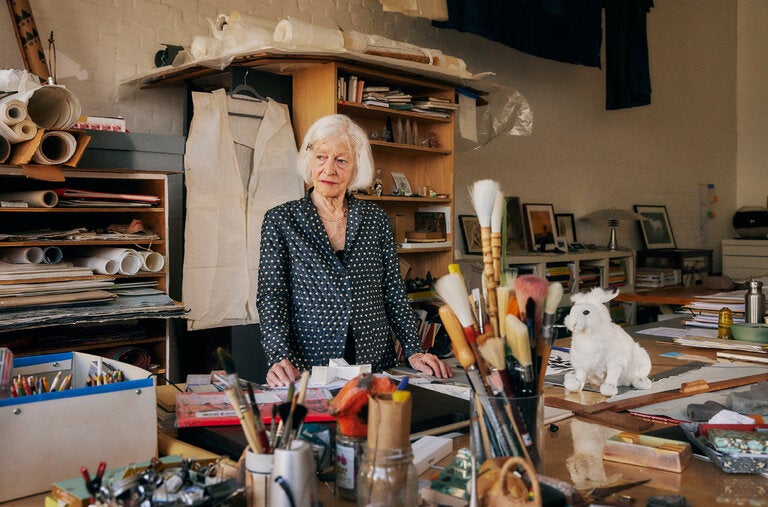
[308, 299]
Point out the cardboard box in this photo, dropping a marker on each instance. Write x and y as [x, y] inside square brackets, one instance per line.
[122, 150]
[47, 437]
[398, 225]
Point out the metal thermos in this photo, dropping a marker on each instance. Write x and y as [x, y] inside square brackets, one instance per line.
[754, 303]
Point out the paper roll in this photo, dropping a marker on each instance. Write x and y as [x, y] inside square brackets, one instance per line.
[33, 198]
[52, 255]
[22, 131]
[298, 33]
[56, 147]
[127, 259]
[98, 264]
[151, 261]
[23, 255]
[12, 110]
[53, 107]
[5, 149]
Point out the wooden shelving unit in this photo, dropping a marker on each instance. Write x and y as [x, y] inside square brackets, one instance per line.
[314, 96]
[105, 332]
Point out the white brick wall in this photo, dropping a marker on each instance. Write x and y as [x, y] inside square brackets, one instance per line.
[580, 156]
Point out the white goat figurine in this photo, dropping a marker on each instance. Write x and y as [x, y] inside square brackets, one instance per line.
[602, 353]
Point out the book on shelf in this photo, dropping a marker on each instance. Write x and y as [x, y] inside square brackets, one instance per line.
[375, 89]
[72, 193]
[375, 102]
[351, 89]
[436, 244]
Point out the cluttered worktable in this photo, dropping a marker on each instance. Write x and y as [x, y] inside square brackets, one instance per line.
[573, 446]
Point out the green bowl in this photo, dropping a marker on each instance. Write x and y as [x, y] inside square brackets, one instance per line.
[750, 332]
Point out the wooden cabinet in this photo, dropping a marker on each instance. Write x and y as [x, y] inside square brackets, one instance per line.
[315, 95]
[743, 258]
[135, 326]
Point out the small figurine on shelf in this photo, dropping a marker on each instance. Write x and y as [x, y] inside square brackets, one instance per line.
[377, 187]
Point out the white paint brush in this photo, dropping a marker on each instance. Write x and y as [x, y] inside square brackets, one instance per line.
[483, 195]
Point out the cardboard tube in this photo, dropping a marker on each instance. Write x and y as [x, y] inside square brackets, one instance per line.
[22, 131]
[389, 422]
[27, 36]
[53, 107]
[33, 198]
[299, 33]
[5, 149]
[52, 255]
[56, 147]
[23, 255]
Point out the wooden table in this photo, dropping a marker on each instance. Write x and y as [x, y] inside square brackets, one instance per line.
[573, 454]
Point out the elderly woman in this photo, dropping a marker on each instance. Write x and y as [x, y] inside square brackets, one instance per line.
[329, 276]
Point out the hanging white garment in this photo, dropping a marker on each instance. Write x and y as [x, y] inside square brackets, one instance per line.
[237, 166]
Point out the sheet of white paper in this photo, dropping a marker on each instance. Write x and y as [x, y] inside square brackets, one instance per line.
[468, 117]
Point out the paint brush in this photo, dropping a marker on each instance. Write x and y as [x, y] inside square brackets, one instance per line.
[554, 295]
[493, 352]
[237, 399]
[531, 287]
[519, 344]
[503, 295]
[496, 219]
[483, 196]
[262, 431]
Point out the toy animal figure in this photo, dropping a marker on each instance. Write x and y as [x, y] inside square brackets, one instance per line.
[602, 353]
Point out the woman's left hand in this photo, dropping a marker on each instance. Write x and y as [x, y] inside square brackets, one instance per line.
[430, 364]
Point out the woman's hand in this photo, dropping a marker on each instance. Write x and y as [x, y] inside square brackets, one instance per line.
[430, 364]
[282, 374]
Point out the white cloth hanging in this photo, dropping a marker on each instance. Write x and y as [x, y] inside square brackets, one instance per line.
[236, 168]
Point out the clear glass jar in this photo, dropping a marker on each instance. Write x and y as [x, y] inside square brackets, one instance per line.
[349, 451]
[387, 478]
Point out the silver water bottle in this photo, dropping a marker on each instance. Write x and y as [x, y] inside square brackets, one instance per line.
[754, 303]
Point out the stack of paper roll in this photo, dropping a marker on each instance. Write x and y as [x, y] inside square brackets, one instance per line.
[32, 255]
[32, 198]
[15, 126]
[111, 261]
[56, 147]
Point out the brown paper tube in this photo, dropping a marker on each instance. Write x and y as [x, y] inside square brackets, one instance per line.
[5, 149]
[29, 40]
[389, 422]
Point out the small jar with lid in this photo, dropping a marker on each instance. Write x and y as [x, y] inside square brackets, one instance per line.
[724, 323]
[349, 451]
[387, 477]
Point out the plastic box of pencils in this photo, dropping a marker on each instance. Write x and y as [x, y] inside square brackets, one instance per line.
[48, 436]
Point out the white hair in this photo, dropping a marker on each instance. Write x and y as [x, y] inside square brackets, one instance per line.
[338, 127]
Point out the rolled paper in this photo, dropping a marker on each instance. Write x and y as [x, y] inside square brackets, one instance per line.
[152, 261]
[5, 149]
[22, 131]
[56, 147]
[298, 33]
[23, 255]
[52, 255]
[127, 259]
[12, 110]
[53, 107]
[98, 264]
[33, 198]
[389, 422]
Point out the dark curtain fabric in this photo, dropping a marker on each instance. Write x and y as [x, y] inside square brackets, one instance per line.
[563, 30]
[627, 74]
[569, 31]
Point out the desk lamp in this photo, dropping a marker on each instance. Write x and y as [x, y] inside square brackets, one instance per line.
[613, 215]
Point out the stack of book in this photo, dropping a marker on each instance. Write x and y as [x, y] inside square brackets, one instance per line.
[434, 106]
[589, 277]
[706, 309]
[617, 273]
[559, 272]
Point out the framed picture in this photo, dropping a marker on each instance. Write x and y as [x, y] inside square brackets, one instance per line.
[566, 226]
[402, 186]
[470, 232]
[540, 226]
[655, 229]
[515, 229]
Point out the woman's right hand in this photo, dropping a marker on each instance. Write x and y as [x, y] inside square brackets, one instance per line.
[282, 374]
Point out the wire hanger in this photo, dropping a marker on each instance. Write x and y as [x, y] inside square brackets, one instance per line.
[244, 89]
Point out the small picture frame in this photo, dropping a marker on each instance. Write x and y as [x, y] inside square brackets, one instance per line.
[401, 185]
[515, 230]
[566, 226]
[655, 229]
[470, 233]
[540, 226]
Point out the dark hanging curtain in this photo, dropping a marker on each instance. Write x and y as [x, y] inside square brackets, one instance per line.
[568, 31]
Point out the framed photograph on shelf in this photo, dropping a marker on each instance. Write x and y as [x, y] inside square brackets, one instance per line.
[470, 233]
[540, 226]
[515, 229]
[566, 226]
[401, 184]
[655, 229]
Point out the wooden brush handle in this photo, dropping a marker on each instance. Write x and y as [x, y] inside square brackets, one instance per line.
[496, 254]
[490, 280]
[456, 333]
